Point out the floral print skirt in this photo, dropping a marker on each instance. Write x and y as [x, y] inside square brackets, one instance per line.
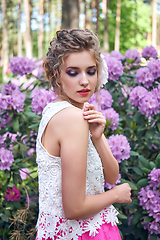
[106, 232]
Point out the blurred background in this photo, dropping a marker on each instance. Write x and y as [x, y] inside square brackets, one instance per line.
[27, 26]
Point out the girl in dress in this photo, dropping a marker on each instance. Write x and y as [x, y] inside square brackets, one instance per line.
[73, 156]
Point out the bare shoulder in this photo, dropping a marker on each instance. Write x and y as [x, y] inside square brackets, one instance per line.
[68, 119]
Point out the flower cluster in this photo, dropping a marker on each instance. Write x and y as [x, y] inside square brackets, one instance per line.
[115, 68]
[40, 98]
[22, 65]
[154, 66]
[7, 136]
[133, 55]
[104, 105]
[103, 98]
[147, 102]
[13, 194]
[149, 199]
[120, 147]
[144, 76]
[116, 54]
[6, 159]
[11, 98]
[149, 52]
[112, 118]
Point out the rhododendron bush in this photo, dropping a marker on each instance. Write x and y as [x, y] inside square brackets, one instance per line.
[130, 101]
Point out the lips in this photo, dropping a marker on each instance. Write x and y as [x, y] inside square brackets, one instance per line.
[84, 92]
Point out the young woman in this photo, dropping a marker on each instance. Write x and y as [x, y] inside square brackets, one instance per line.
[73, 155]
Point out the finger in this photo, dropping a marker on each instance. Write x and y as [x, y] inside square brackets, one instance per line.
[88, 106]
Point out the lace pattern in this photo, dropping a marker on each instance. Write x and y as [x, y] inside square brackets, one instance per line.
[51, 220]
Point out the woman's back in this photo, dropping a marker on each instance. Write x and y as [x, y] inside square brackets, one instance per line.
[52, 221]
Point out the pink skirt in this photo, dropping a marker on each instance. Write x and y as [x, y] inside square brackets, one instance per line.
[106, 232]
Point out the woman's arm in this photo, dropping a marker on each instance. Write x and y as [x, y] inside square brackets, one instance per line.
[110, 164]
[97, 124]
[73, 135]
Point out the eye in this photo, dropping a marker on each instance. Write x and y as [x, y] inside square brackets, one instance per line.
[72, 73]
[92, 71]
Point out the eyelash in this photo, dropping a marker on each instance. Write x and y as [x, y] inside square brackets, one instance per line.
[89, 72]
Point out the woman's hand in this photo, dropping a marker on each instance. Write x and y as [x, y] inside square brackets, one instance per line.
[95, 119]
[123, 193]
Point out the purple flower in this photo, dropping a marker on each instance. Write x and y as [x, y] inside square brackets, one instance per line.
[115, 68]
[149, 105]
[4, 120]
[144, 76]
[101, 100]
[11, 98]
[40, 99]
[109, 186]
[116, 54]
[156, 93]
[154, 177]
[22, 65]
[39, 70]
[149, 52]
[8, 136]
[13, 194]
[149, 199]
[136, 95]
[119, 146]
[133, 55]
[6, 159]
[105, 99]
[112, 117]
[154, 66]
[24, 173]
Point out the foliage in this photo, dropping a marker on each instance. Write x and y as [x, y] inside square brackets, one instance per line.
[136, 133]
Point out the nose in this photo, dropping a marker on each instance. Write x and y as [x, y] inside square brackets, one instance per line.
[84, 79]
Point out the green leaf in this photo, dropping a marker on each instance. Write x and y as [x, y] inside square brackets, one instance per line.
[34, 125]
[133, 153]
[136, 218]
[158, 161]
[4, 217]
[17, 205]
[153, 165]
[146, 170]
[122, 216]
[148, 219]
[142, 182]
[144, 161]
[153, 237]
[137, 170]
[15, 124]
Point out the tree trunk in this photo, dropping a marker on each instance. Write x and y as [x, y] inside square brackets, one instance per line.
[154, 22]
[5, 44]
[28, 45]
[105, 12]
[70, 14]
[97, 23]
[117, 35]
[41, 26]
[19, 30]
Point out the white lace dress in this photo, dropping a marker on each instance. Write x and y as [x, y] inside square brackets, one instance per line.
[51, 221]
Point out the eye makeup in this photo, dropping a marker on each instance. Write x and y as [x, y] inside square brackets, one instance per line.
[74, 71]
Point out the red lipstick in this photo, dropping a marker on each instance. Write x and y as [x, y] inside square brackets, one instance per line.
[84, 92]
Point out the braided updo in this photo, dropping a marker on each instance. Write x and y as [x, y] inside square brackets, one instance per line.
[65, 43]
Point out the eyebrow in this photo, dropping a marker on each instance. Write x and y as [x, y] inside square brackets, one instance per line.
[78, 67]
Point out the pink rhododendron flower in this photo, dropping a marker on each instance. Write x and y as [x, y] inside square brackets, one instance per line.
[13, 194]
[24, 173]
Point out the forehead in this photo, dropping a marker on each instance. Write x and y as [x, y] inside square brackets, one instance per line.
[80, 59]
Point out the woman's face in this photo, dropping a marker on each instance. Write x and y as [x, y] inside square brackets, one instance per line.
[79, 77]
